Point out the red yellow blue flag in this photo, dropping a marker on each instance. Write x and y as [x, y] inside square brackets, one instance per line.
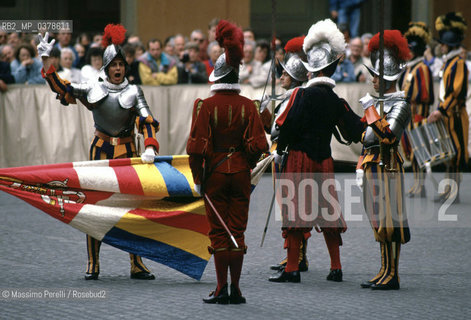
[151, 210]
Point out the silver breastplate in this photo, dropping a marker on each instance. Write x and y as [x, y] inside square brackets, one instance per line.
[275, 131]
[111, 118]
[398, 115]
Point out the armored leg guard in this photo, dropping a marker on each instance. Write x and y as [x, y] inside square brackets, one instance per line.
[390, 278]
[93, 264]
[384, 259]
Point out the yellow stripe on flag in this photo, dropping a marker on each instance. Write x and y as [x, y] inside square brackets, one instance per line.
[187, 240]
[196, 207]
[152, 182]
[182, 164]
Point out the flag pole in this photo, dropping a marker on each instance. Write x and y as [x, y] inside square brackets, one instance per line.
[273, 48]
[381, 74]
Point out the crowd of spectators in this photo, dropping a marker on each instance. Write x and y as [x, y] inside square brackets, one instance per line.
[179, 59]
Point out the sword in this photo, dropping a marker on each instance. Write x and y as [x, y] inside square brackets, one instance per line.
[268, 219]
[220, 220]
[283, 162]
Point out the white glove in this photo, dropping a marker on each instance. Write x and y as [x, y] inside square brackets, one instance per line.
[277, 158]
[264, 103]
[428, 168]
[359, 178]
[198, 188]
[45, 47]
[367, 101]
[148, 155]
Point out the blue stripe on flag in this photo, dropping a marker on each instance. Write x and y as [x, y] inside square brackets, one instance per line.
[168, 255]
[177, 184]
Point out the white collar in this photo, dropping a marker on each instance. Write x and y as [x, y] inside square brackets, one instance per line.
[393, 95]
[321, 80]
[414, 62]
[112, 86]
[451, 54]
[225, 86]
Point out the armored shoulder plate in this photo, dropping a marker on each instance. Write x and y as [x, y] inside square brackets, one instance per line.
[141, 106]
[128, 96]
[399, 117]
[81, 90]
[97, 92]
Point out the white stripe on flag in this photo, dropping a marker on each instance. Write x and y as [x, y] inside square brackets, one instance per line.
[94, 163]
[98, 178]
[96, 221]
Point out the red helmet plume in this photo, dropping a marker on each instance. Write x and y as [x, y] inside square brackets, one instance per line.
[295, 45]
[393, 40]
[231, 38]
[114, 34]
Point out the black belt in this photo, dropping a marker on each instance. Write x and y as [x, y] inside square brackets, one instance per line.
[227, 149]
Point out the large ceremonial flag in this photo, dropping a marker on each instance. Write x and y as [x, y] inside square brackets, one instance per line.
[150, 210]
[147, 209]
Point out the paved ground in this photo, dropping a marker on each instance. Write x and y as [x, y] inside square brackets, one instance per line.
[39, 253]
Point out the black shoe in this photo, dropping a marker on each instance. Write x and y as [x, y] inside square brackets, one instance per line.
[143, 275]
[335, 275]
[303, 265]
[91, 276]
[283, 276]
[391, 285]
[280, 266]
[367, 284]
[236, 297]
[221, 298]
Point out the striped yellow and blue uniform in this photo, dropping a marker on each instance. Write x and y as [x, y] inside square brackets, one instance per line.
[383, 198]
[383, 205]
[101, 149]
[453, 92]
[417, 83]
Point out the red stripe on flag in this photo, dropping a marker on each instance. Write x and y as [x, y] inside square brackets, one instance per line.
[177, 219]
[50, 205]
[44, 174]
[128, 179]
[119, 162]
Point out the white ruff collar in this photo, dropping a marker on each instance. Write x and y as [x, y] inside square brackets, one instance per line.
[392, 95]
[321, 80]
[414, 62]
[225, 86]
[112, 86]
[451, 54]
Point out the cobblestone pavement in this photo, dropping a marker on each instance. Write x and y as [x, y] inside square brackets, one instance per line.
[39, 253]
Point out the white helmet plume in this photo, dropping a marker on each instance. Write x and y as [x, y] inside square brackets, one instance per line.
[325, 31]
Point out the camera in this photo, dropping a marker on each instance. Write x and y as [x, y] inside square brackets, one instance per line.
[186, 57]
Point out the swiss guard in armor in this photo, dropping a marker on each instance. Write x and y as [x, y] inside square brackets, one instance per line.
[294, 74]
[453, 93]
[380, 169]
[117, 107]
[306, 127]
[226, 140]
[417, 83]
